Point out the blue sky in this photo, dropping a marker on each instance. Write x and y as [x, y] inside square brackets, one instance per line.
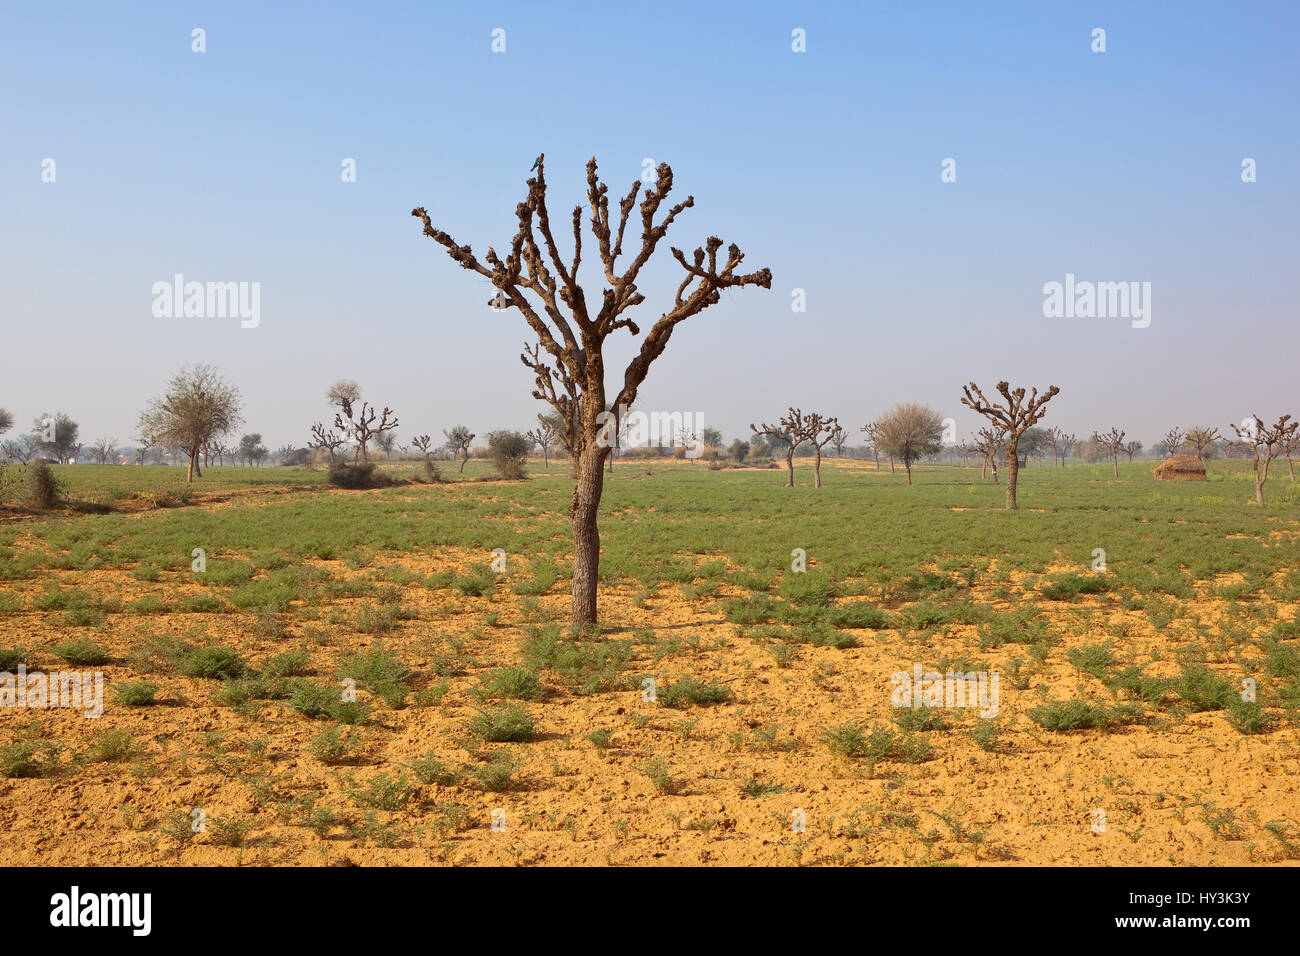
[823, 166]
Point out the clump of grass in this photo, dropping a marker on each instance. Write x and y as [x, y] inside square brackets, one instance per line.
[1247, 717]
[230, 831]
[429, 770]
[477, 582]
[139, 693]
[112, 746]
[689, 691]
[385, 792]
[508, 723]
[289, 664]
[496, 774]
[333, 745]
[374, 668]
[213, 663]
[987, 734]
[81, 652]
[852, 741]
[1082, 715]
[1066, 587]
[160, 654]
[29, 759]
[515, 682]
[10, 658]
[661, 776]
[600, 738]
[1202, 689]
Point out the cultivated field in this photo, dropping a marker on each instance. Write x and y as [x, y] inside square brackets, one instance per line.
[1119, 690]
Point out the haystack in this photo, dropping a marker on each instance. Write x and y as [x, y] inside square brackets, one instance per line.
[1186, 467]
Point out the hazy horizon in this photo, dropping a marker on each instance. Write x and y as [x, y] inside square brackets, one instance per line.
[825, 166]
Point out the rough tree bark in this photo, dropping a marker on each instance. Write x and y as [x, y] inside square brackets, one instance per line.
[568, 359]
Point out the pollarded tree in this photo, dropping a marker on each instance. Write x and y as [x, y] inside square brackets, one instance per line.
[1055, 436]
[1174, 439]
[839, 438]
[1266, 441]
[331, 441]
[362, 426]
[1290, 446]
[910, 431]
[1015, 415]
[789, 431]
[1068, 441]
[199, 407]
[1113, 442]
[819, 431]
[1202, 439]
[988, 442]
[573, 367]
[543, 436]
[386, 441]
[458, 441]
[872, 431]
[1131, 448]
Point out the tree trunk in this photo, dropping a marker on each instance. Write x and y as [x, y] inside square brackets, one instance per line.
[1115, 460]
[817, 470]
[1261, 476]
[984, 469]
[586, 535]
[463, 460]
[546, 458]
[908, 465]
[1013, 472]
[891, 463]
[789, 464]
[1291, 466]
[194, 467]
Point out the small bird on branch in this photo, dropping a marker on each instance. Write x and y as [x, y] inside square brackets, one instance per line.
[537, 162]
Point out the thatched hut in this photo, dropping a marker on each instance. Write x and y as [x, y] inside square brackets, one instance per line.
[1185, 467]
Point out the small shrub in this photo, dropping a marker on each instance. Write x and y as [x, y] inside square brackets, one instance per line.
[690, 691]
[509, 723]
[81, 652]
[136, 693]
[508, 451]
[213, 663]
[44, 490]
[343, 474]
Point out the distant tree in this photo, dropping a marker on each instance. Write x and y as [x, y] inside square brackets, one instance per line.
[787, 430]
[839, 438]
[103, 449]
[872, 431]
[737, 450]
[1290, 446]
[198, 407]
[712, 439]
[1055, 437]
[1015, 415]
[1203, 439]
[988, 442]
[251, 450]
[344, 391]
[1068, 443]
[1174, 439]
[1131, 448]
[145, 443]
[361, 426]
[1265, 441]
[458, 440]
[56, 436]
[819, 431]
[386, 441]
[1113, 442]
[909, 431]
[508, 450]
[330, 441]
[6, 420]
[543, 436]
